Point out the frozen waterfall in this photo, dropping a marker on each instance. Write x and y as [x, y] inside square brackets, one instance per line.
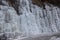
[33, 20]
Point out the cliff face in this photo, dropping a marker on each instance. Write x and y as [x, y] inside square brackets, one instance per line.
[32, 21]
[41, 2]
[37, 2]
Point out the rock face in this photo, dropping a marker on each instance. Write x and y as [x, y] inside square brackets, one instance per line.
[41, 2]
[38, 2]
[32, 21]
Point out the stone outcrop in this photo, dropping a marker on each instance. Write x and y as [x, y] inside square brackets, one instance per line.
[41, 2]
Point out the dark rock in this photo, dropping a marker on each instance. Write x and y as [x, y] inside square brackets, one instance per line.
[41, 2]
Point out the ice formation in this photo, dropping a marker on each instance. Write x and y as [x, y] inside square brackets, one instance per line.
[32, 21]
